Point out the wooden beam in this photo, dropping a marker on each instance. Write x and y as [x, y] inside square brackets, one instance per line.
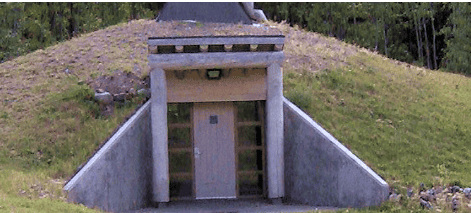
[228, 47]
[204, 48]
[215, 40]
[253, 47]
[179, 48]
[152, 49]
[278, 47]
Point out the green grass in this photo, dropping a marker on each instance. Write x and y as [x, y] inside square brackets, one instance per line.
[65, 130]
[410, 125]
[33, 192]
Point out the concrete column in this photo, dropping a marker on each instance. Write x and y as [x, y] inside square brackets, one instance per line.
[160, 182]
[274, 117]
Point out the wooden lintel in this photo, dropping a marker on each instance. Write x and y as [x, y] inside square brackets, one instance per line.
[204, 48]
[179, 48]
[152, 49]
[253, 47]
[214, 40]
[228, 47]
[278, 47]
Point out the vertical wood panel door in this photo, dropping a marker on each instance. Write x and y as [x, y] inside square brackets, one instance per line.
[214, 150]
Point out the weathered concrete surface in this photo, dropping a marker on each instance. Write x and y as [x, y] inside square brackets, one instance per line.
[274, 131]
[118, 177]
[160, 177]
[320, 171]
[231, 205]
[214, 59]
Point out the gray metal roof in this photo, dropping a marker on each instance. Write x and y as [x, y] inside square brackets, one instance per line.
[216, 12]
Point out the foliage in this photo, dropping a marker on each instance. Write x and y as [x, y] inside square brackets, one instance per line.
[26, 27]
[458, 52]
[420, 33]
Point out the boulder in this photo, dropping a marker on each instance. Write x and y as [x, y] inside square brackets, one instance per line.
[119, 97]
[145, 92]
[467, 192]
[104, 98]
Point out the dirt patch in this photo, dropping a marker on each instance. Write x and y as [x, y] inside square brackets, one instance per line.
[312, 52]
[119, 82]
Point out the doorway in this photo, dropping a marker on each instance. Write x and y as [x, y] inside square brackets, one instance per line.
[216, 150]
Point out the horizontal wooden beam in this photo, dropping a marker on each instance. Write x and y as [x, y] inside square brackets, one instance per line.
[214, 60]
[217, 40]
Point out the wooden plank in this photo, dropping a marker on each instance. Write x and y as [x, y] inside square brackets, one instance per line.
[248, 123]
[194, 87]
[173, 150]
[243, 148]
[181, 175]
[184, 61]
[261, 108]
[215, 40]
[253, 172]
[179, 125]
[236, 148]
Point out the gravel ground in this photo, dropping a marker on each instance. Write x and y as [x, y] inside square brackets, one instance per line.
[232, 206]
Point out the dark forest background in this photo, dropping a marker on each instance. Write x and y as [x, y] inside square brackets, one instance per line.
[430, 34]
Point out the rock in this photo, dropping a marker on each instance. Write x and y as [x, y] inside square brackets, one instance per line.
[454, 189]
[100, 90]
[455, 203]
[119, 97]
[145, 92]
[431, 192]
[422, 187]
[132, 91]
[394, 197]
[104, 98]
[410, 192]
[467, 192]
[426, 196]
[425, 204]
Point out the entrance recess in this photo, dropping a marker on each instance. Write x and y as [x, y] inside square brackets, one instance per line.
[214, 152]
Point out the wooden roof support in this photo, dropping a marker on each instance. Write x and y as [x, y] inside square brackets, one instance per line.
[277, 40]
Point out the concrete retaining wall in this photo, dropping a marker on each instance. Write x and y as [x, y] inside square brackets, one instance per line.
[320, 171]
[118, 177]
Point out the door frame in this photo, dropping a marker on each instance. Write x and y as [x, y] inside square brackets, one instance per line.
[261, 107]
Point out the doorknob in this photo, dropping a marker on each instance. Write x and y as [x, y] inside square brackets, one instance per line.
[197, 152]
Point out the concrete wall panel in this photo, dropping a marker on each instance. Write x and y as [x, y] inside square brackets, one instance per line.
[118, 177]
[320, 171]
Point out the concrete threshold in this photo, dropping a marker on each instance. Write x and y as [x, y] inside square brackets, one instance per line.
[232, 206]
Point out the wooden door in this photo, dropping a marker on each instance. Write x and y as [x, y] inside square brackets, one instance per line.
[214, 150]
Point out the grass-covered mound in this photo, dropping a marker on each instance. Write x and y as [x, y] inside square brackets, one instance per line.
[409, 124]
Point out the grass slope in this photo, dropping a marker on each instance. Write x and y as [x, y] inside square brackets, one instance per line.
[408, 123]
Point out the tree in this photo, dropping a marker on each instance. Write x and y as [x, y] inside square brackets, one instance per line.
[458, 50]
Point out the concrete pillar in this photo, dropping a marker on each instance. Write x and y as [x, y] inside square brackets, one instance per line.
[160, 182]
[274, 118]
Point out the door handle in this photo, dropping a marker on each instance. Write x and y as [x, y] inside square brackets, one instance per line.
[197, 152]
